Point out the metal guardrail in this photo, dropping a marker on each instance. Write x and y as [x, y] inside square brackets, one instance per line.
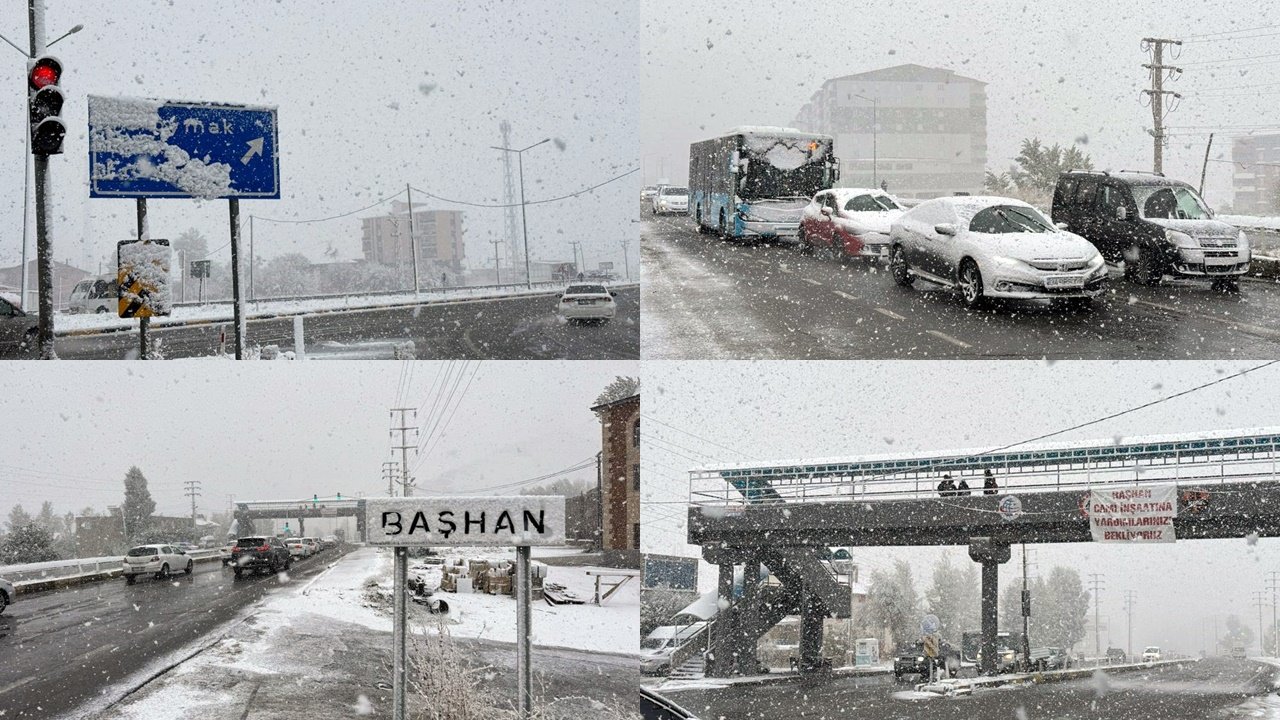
[57, 570]
[445, 291]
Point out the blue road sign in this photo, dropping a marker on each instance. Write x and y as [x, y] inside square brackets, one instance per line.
[164, 149]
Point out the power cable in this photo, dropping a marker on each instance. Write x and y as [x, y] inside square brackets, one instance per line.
[528, 202]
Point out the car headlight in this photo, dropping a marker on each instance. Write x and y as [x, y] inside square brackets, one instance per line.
[1242, 241]
[1096, 262]
[1008, 262]
[920, 659]
[1180, 239]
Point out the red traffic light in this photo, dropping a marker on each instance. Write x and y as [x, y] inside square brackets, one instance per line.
[45, 71]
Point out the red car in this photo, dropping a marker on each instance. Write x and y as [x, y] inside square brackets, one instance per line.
[849, 222]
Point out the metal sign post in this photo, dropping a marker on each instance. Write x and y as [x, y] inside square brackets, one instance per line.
[523, 521]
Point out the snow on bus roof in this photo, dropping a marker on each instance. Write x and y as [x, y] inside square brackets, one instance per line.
[770, 130]
[1020, 448]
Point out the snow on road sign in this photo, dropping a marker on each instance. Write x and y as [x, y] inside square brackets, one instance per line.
[444, 521]
[1133, 514]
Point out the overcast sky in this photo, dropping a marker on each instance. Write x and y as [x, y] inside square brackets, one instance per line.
[1057, 71]
[261, 431]
[807, 410]
[371, 96]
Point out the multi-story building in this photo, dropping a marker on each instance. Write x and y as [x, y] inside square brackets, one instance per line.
[438, 232]
[1256, 175]
[919, 131]
[620, 480]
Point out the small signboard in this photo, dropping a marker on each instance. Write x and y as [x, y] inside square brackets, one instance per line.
[670, 572]
[931, 646]
[1143, 514]
[201, 269]
[1010, 507]
[140, 148]
[143, 277]
[522, 520]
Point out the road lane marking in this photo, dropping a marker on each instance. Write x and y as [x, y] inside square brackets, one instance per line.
[1257, 330]
[844, 295]
[812, 281]
[948, 338]
[890, 313]
[785, 270]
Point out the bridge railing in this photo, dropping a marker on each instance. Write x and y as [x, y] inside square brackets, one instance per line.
[710, 488]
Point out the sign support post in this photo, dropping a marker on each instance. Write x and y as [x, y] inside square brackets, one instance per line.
[524, 632]
[234, 205]
[399, 635]
[144, 234]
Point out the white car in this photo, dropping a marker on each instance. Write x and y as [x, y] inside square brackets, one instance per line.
[587, 301]
[1151, 654]
[158, 560]
[17, 328]
[648, 192]
[95, 295]
[298, 547]
[850, 222]
[7, 594]
[313, 544]
[671, 199]
[993, 247]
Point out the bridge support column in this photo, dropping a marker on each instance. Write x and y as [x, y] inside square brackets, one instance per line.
[812, 614]
[723, 664]
[990, 554]
[302, 527]
[748, 655]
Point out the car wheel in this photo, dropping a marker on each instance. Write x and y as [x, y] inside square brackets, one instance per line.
[288, 564]
[164, 571]
[697, 214]
[130, 579]
[239, 573]
[102, 310]
[724, 232]
[802, 237]
[898, 266]
[970, 282]
[4, 601]
[953, 665]
[190, 566]
[1146, 268]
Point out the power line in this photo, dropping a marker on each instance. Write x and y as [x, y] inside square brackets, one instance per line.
[590, 462]
[1231, 60]
[331, 217]
[1229, 32]
[583, 191]
[651, 418]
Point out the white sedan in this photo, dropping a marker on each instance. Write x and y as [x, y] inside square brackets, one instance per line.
[671, 199]
[993, 247]
[158, 560]
[849, 222]
[587, 301]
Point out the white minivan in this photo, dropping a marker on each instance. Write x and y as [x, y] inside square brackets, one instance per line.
[94, 295]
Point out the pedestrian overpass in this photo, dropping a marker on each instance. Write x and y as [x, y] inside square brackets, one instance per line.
[786, 517]
[300, 510]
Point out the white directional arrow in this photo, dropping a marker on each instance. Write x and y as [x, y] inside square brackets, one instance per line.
[255, 148]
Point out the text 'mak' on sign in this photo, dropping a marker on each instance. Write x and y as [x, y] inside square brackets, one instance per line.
[1142, 514]
[447, 521]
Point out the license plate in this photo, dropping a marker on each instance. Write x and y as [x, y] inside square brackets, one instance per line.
[1064, 281]
[586, 302]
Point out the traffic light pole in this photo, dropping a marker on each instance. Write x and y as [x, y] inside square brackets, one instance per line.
[238, 313]
[44, 235]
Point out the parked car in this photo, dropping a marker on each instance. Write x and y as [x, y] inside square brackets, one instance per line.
[657, 647]
[671, 199]
[257, 553]
[1158, 226]
[160, 561]
[18, 331]
[1115, 655]
[587, 302]
[1059, 659]
[849, 222]
[99, 295]
[7, 594]
[993, 247]
[658, 707]
[648, 192]
[912, 660]
[1151, 654]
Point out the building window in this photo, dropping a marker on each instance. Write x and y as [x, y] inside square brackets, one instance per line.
[635, 477]
[635, 536]
[635, 433]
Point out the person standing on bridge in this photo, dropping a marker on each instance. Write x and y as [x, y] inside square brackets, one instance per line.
[946, 488]
[989, 486]
[963, 488]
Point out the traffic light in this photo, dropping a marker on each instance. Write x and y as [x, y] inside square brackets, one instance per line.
[44, 104]
[339, 497]
[314, 499]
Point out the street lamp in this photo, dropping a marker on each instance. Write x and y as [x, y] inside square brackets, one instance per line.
[875, 177]
[524, 227]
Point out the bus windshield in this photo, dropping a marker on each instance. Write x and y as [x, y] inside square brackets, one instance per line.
[781, 166]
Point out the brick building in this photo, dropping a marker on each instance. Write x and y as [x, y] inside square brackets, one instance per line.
[620, 444]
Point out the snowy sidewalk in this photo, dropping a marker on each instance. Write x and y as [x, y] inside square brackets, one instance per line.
[323, 651]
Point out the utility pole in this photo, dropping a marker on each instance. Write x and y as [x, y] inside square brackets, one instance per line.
[1259, 602]
[389, 474]
[575, 244]
[192, 491]
[510, 228]
[1273, 583]
[497, 273]
[626, 260]
[1157, 92]
[1026, 611]
[600, 500]
[406, 483]
[1128, 609]
[1097, 581]
[413, 242]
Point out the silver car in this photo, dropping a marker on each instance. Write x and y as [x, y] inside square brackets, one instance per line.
[17, 328]
[993, 247]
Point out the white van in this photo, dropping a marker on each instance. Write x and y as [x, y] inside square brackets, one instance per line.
[97, 295]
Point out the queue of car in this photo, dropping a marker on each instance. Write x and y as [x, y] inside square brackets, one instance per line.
[255, 553]
[997, 247]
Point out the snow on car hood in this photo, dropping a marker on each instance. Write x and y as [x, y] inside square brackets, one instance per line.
[871, 220]
[781, 210]
[1197, 228]
[1037, 246]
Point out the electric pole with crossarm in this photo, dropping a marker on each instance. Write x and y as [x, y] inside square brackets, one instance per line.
[1159, 73]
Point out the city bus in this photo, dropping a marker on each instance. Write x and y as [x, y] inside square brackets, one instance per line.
[754, 182]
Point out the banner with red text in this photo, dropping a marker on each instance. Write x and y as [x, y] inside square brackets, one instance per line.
[1133, 514]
